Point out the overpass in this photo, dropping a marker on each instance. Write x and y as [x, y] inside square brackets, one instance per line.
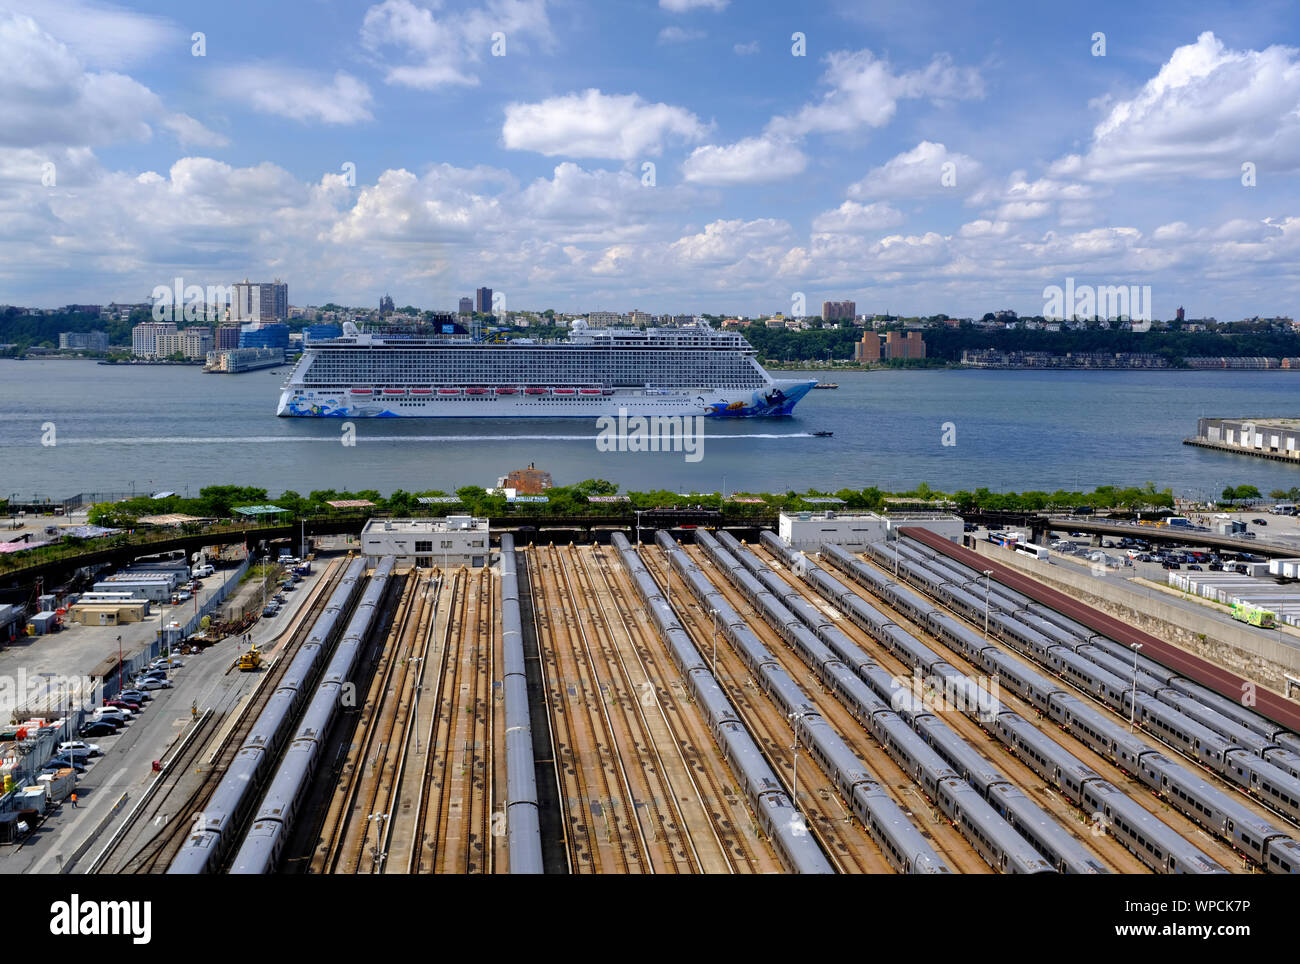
[1166, 534]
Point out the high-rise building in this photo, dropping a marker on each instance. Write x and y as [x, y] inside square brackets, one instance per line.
[466, 306]
[264, 336]
[83, 340]
[838, 310]
[604, 319]
[868, 349]
[259, 302]
[144, 337]
[898, 345]
[386, 306]
[483, 300]
[1181, 315]
[227, 337]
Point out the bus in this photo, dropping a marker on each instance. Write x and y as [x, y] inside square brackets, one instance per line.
[1029, 549]
[1253, 615]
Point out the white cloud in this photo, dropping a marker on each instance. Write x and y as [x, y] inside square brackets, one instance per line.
[917, 173]
[750, 161]
[104, 36]
[593, 124]
[854, 217]
[745, 50]
[50, 99]
[725, 242]
[864, 92]
[984, 229]
[301, 95]
[1207, 110]
[443, 48]
[679, 35]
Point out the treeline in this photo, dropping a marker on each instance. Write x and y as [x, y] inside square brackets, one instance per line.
[946, 344]
[26, 331]
[220, 501]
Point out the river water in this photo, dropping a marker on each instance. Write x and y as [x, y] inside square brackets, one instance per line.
[172, 427]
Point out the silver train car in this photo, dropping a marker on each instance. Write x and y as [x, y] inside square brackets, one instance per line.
[1181, 787]
[991, 833]
[776, 814]
[211, 838]
[523, 829]
[1141, 834]
[260, 851]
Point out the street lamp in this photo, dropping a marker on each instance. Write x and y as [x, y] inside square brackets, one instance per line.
[988, 576]
[638, 527]
[1132, 713]
[794, 778]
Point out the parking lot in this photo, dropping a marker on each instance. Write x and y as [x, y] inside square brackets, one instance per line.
[116, 780]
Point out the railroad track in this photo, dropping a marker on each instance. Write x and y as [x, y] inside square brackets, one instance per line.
[584, 760]
[174, 811]
[653, 800]
[946, 840]
[690, 743]
[1213, 846]
[769, 728]
[1106, 848]
[355, 831]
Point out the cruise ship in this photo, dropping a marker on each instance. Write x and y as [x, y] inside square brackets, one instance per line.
[395, 373]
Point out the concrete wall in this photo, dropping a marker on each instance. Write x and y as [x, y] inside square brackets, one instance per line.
[1265, 656]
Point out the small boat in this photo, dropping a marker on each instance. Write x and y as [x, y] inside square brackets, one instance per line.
[826, 385]
[449, 391]
[590, 391]
[565, 391]
[823, 434]
[507, 391]
[394, 391]
[421, 391]
[537, 391]
[362, 391]
[476, 391]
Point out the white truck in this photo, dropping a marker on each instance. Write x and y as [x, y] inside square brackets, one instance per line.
[59, 784]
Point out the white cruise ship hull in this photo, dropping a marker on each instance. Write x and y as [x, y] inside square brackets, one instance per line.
[774, 399]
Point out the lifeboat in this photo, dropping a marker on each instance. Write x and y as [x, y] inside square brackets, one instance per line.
[590, 391]
[421, 391]
[507, 391]
[449, 391]
[565, 391]
[476, 391]
[537, 391]
[394, 391]
[362, 391]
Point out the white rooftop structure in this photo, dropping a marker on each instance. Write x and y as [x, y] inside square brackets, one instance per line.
[458, 540]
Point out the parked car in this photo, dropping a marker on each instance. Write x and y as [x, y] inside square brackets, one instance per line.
[80, 756]
[99, 728]
[80, 746]
[270, 611]
[162, 662]
[63, 763]
[156, 684]
[122, 704]
[1196, 567]
[112, 713]
[1171, 565]
[180, 597]
[136, 696]
[1260, 522]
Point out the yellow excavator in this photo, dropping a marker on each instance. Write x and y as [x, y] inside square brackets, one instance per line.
[250, 661]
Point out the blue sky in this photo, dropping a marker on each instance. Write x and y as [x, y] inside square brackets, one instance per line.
[919, 157]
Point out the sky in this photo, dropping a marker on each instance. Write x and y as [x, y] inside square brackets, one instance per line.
[684, 156]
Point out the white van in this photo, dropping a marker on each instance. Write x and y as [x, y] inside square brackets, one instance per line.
[200, 572]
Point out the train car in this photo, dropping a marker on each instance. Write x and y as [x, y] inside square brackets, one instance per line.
[993, 838]
[1151, 841]
[523, 819]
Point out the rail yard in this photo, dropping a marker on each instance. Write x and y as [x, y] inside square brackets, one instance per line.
[708, 706]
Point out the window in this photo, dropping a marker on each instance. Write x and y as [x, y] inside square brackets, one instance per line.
[424, 546]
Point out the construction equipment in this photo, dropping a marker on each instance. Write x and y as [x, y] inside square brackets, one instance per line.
[250, 661]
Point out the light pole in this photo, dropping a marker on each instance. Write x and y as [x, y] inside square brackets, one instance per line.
[714, 614]
[988, 576]
[638, 528]
[1132, 713]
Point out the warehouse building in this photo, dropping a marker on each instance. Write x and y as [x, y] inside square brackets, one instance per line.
[856, 530]
[457, 540]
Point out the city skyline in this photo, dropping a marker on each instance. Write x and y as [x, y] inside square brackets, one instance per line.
[913, 159]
